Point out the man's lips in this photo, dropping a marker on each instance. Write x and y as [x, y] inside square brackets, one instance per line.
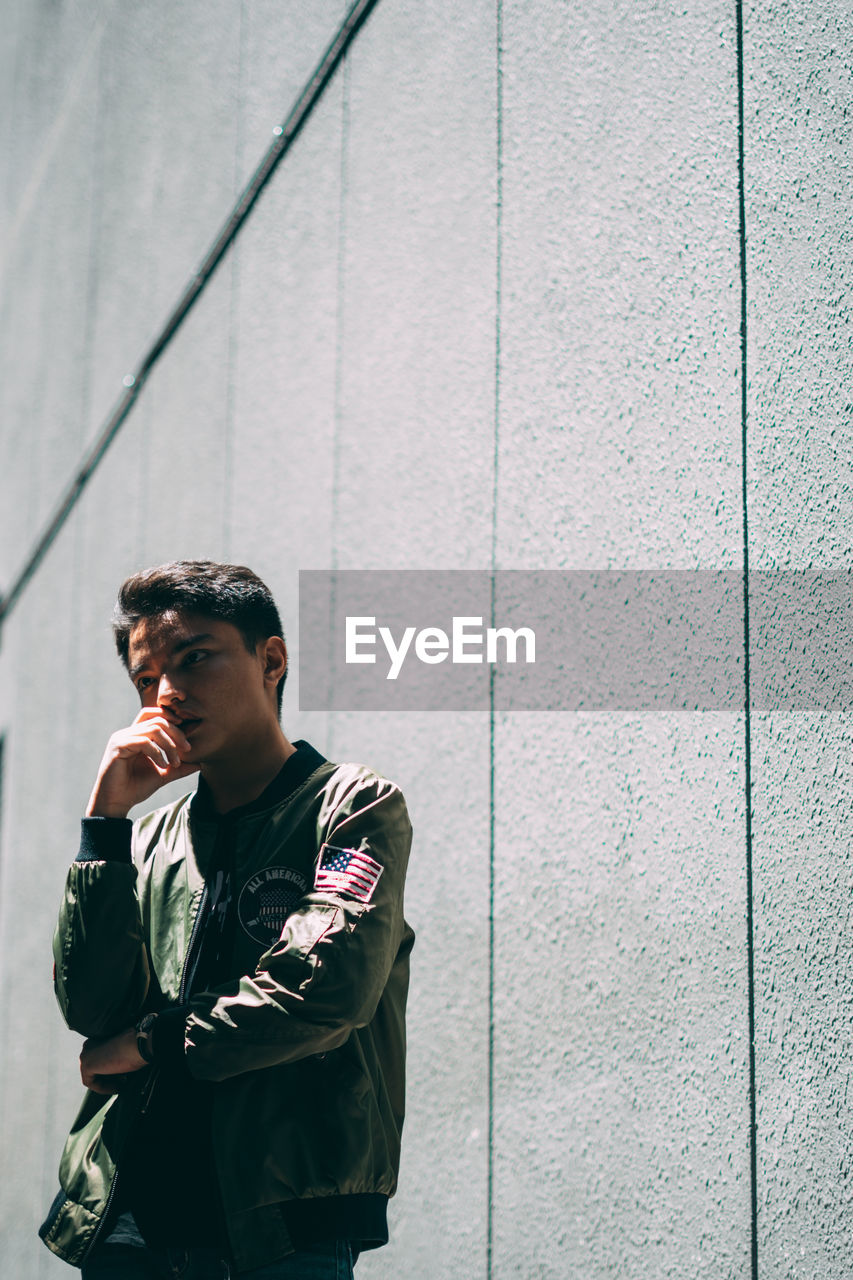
[187, 726]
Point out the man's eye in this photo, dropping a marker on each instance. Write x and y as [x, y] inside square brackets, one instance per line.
[194, 656]
[143, 682]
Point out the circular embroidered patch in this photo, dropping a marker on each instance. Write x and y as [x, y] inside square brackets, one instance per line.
[267, 900]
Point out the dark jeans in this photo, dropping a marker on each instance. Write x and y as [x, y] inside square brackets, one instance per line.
[330, 1261]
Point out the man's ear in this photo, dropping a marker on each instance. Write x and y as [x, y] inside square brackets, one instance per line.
[274, 657]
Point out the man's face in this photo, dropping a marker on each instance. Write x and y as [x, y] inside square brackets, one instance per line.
[200, 673]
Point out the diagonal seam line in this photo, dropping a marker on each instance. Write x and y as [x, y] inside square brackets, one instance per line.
[750, 929]
[285, 135]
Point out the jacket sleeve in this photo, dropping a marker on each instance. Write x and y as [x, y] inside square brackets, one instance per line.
[326, 973]
[102, 973]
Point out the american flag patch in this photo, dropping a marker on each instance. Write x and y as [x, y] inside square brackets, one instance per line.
[347, 871]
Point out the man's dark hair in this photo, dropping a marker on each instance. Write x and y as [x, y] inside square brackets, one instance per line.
[229, 592]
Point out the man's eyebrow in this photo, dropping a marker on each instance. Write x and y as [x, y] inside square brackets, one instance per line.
[181, 645]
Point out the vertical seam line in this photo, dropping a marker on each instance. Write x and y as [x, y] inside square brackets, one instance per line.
[339, 324]
[232, 354]
[494, 536]
[337, 409]
[750, 930]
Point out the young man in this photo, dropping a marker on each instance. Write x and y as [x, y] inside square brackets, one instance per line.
[238, 961]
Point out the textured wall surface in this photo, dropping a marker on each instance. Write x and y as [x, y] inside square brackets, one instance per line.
[798, 107]
[486, 314]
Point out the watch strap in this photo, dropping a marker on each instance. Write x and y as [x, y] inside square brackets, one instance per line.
[143, 1036]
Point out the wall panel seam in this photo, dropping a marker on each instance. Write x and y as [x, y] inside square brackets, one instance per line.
[750, 931]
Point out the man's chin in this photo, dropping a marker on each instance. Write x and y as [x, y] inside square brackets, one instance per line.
[204, 753]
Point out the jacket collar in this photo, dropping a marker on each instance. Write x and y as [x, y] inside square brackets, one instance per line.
[290, 776]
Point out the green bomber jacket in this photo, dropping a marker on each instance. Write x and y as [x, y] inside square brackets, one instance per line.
[307, 1047]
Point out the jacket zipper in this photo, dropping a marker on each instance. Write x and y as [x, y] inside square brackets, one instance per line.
[196, 929]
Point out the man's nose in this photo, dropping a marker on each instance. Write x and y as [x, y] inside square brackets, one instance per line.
[168, 691]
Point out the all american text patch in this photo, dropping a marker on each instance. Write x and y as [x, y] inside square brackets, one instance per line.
[351, 871]
[267, 899]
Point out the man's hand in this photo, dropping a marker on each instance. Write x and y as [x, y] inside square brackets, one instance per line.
[104, 1062]
[137, 762]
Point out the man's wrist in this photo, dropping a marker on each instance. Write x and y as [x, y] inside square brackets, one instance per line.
[97, 809]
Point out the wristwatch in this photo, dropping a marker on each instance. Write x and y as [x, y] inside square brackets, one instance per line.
[143, 1036]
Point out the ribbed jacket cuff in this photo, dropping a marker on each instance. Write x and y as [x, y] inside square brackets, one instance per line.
[361, 1218]
[167, 1038]
[105, 840]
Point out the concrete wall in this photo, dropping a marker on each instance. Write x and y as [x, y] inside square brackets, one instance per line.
[486, 314]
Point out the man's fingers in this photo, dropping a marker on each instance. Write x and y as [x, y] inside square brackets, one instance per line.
[91, 1080]
[171, 733]
[157, 754]
[157, 743]
[103, 1084]
[105, 1064]
[156, 715]
[166, 740]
